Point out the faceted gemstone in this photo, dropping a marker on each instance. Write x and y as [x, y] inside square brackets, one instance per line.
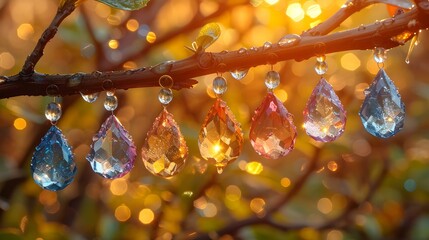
[52, 165]
[272, 133]
[382, 112]
[112, 151]
[220, 139]
[324, 115]
[164, 151]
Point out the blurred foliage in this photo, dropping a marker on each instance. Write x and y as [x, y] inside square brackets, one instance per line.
[142, 206]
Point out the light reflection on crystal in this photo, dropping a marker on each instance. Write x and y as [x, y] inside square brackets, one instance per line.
[112, 152]
[272, 133]
[239, 74]
[164, 151]
[382, 112]
[324, 115]
[52, 165]
[220, 140]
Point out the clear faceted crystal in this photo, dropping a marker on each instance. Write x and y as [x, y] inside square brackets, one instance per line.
[165, 96]
[164, 152]
[53, 111]
[272, 133]
[220, 140]
[272, 79]
[52, 165]
[382, 112]
[112, 152]
[324, 115]
[219, 85]
[111, 102]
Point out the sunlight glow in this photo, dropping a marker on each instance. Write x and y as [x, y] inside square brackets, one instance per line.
[146, 216]
[122, 213]
[20, 124]
[295, 12]
[254, 168]
[118, 186]
[113, 44]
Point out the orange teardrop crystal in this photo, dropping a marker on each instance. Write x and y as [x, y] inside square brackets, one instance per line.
[164, 152]
[220, 139]
[272, 133]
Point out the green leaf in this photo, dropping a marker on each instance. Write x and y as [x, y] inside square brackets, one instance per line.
[126, 4]
[208, 34]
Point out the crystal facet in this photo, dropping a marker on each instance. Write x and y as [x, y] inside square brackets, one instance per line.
[220, 140]
[164, 151]
[52, 165]
[324, 115]
[112, 151]
[382, 112]
[272, 133]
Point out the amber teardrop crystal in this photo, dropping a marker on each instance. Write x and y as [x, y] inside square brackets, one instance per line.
[164, 152]
[221, 138]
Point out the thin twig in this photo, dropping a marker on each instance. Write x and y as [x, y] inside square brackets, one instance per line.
[63, 11]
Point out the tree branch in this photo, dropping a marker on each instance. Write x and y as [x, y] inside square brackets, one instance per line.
[64, 10]
[379, 34]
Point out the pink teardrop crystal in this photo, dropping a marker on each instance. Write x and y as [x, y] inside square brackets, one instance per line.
[272, 133]
[324, 115]
[164, 152]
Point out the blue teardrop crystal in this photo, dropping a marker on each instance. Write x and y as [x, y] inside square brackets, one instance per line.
[113, 152]
[382, 112]
[52, 165]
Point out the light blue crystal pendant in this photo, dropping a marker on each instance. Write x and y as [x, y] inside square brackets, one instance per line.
[113, 151]
[52, 165]
[382, 112]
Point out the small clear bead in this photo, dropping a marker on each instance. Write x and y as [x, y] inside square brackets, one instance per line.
[53, 111]
[380, 55]
[321, 67]
[272, 79]
[110, 93]
[90, 97]
[111, 103]
[219, 85]
[165, 96]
